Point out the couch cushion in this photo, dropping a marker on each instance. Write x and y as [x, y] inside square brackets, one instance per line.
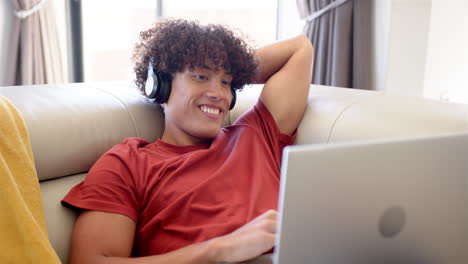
[59, 219]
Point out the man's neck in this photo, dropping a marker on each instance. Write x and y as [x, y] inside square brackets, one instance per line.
[182, 140]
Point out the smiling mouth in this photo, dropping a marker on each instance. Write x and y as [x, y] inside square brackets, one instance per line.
[210, 110]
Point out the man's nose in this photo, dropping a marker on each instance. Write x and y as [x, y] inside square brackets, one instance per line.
[216, 91]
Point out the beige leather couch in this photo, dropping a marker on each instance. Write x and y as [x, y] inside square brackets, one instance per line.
[71, 125]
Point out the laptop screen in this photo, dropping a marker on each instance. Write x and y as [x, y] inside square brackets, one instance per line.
[394, 201]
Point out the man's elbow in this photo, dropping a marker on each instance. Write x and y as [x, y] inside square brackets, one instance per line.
[306, 43]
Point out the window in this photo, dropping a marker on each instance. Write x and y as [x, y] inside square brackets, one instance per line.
[111, 28]
[256, 19]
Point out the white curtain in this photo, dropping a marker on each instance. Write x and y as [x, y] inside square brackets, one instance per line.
[34, 55]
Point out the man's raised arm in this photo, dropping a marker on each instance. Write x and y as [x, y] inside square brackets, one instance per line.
[286, 69]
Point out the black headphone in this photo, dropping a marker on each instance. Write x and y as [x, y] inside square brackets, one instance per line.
[158, 87]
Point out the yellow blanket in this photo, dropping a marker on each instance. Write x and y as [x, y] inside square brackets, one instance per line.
[23, 233]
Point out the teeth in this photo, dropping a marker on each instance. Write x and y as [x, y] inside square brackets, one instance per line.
[207, 109]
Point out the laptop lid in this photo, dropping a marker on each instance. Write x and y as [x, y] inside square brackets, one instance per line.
[397, 201]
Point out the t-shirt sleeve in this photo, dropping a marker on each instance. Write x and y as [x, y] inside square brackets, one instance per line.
[260, 118]
[109, 185]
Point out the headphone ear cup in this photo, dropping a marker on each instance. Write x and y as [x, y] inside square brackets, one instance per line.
[152, 85]
[164, 90]
[158, 85]
[234, 98]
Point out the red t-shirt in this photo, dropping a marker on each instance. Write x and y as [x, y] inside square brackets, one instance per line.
[180, 195]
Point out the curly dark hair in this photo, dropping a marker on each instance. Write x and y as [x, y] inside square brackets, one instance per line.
[174, 44]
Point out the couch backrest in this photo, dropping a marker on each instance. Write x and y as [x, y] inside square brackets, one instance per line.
[71, 125]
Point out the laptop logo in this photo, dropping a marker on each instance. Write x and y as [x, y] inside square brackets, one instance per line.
[392, 221]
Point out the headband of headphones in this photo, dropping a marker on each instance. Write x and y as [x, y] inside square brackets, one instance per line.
[158, 87]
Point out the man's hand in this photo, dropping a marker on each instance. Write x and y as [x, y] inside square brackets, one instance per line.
[250, 241]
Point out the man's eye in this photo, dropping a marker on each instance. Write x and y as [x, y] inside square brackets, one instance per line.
[226, 83]
[201, 77]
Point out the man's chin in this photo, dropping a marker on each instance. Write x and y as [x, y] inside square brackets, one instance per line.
[208, 134]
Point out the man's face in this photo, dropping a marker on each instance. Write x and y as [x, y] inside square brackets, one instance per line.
[199, 102]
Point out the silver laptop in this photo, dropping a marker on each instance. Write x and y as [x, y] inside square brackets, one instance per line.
[391, 202]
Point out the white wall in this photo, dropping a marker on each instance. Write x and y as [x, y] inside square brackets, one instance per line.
[407, 47]
[425, 51]
[6, 18]
[447, 57]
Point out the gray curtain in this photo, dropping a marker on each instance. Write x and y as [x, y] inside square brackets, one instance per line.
[34, 55]
[340, 32]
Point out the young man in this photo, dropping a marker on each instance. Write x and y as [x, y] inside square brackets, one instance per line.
[201, 193]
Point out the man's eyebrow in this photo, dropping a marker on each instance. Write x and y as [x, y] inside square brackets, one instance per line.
[206, 67]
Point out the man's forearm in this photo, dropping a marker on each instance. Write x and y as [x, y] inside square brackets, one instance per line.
[273, 57]
[246, 242]
[200, 253]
